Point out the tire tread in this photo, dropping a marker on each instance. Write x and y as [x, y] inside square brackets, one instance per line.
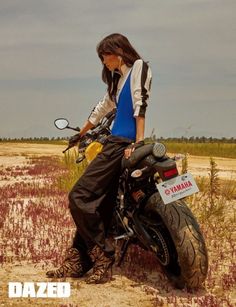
[187, 238]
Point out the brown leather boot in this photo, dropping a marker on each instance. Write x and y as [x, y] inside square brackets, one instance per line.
[72, 266]
[94, 253]
[101, 266]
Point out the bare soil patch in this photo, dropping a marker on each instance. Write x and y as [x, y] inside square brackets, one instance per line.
[199, 166]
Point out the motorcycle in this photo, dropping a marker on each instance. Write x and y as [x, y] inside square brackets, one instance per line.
[150, 208]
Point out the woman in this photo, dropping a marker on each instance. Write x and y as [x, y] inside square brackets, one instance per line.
[128, 80]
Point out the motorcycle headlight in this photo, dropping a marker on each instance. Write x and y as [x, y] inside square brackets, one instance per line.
[159, 150]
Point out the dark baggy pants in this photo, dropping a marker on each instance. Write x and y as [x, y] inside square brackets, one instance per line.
[92, 199]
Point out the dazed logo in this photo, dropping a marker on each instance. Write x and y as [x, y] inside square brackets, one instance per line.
[39, 289]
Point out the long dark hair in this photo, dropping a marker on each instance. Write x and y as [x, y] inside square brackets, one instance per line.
[116, 44]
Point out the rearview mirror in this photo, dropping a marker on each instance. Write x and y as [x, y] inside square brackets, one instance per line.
[61, 123]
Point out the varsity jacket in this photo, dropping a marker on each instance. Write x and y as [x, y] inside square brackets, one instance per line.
[140, 81]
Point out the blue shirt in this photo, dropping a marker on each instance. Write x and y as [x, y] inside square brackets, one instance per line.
[125, 123]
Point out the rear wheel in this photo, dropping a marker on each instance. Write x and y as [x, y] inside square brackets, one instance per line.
[184, 254]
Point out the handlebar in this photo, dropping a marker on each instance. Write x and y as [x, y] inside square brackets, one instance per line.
[75, 129]
[101, 128]
[70, 146]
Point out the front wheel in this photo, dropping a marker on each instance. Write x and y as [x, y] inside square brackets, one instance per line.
[187, 254]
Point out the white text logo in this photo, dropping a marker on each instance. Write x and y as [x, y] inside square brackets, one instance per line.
[39, 289]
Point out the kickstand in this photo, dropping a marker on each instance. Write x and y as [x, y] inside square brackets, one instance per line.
[123, 251]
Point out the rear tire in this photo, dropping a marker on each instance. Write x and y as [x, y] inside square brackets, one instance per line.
[188, 254]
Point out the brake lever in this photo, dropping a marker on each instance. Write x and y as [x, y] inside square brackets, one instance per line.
[70, 146]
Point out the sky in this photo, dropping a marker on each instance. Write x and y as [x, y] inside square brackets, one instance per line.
[49, 67]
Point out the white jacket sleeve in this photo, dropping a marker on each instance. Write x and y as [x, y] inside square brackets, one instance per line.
[103, 107]
[141, 78]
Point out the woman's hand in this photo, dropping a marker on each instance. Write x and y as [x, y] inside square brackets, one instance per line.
[131, 148]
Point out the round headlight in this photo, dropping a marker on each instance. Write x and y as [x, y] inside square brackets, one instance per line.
[159, 150]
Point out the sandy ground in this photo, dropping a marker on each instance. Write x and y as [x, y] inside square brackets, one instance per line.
[199, 166]
[120, 291]
[12, 154]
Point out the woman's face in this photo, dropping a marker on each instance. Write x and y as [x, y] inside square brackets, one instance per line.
[111, 61]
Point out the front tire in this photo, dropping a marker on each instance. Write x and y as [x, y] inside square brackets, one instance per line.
[188, 263]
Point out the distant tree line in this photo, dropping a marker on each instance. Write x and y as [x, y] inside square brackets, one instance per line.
[33, 139]
[192, 139]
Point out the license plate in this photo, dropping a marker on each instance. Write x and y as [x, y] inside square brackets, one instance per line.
[177, 188]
